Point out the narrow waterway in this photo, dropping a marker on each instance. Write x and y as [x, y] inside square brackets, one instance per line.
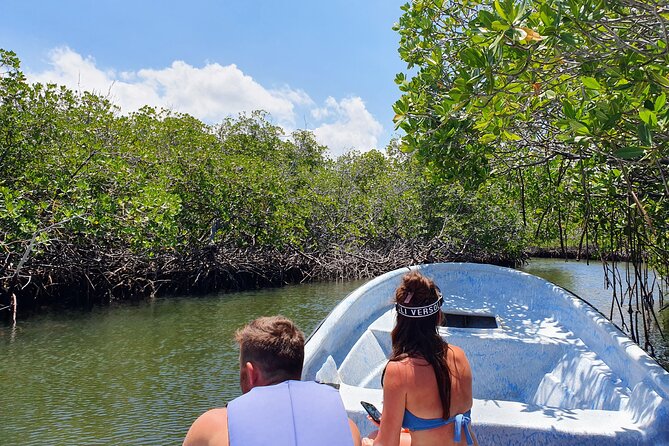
[141, 374]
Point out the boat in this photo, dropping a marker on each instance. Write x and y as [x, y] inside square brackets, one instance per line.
[548, 368]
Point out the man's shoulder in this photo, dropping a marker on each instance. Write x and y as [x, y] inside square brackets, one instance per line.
[210, 428]
[214, 416]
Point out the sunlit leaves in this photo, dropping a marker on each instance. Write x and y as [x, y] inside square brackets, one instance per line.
[660, 79]
[553, 92]
[591, 83]
[660, 101]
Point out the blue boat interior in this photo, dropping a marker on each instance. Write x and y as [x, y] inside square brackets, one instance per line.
[546, 366]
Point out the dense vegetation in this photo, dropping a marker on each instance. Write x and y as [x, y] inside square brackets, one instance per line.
[527, 122]
[96, 205]
[561, 106]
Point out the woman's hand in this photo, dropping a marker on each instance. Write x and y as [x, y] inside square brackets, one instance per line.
[367, 442]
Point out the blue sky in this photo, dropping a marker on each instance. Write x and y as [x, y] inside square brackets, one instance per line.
[325, 66]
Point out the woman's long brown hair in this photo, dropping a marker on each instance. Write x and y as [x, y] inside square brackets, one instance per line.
[418, 337]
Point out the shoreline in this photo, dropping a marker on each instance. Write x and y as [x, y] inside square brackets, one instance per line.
[574, 254]
[85, 279]
[67, 278]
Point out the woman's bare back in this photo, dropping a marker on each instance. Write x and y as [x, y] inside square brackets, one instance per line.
[423, 399]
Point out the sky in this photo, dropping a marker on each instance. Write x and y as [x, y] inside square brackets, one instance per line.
[325, 66]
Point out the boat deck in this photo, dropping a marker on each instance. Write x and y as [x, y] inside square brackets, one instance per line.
[514, 378]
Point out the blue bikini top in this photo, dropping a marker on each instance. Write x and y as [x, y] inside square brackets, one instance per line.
[460, 422]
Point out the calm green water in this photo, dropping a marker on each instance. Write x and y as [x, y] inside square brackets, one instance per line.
[134, 375]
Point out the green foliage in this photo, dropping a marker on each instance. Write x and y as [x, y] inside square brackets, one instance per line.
[76, 171]
[560, 106]
[553, 95]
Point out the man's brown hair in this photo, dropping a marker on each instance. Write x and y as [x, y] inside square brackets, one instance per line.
[274, 344]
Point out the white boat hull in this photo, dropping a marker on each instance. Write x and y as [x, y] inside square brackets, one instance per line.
[554, 371]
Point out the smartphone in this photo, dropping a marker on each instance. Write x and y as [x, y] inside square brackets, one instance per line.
[372, 411]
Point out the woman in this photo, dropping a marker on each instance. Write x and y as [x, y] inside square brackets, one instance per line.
[427, 384]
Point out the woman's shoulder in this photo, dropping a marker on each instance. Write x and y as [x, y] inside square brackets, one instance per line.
[408, 362]
[395, 373]
[456, 351]
[455, 355]
[397, 365]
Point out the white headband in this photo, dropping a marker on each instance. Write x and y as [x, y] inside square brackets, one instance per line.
[427, 310]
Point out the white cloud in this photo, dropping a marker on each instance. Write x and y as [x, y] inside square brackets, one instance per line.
[324, 112]
[212, 93]
[354, 126]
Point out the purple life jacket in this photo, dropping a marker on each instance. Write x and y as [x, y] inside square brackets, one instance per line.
[291, 413]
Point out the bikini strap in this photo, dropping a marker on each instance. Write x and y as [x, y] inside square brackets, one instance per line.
[463, 420]
[383, 374]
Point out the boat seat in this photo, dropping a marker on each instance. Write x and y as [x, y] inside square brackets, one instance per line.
[581, 380]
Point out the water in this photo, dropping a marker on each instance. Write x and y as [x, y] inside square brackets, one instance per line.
[135, 374]
[141, 374]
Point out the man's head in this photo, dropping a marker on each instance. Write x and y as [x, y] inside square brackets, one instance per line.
[271, 351]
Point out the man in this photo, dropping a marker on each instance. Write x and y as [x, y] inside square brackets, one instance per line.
[276, 408]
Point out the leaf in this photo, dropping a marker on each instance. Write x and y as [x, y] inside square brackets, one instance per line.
[660, 79]
[660, 101]
[511, 136]
[550, 94]
[486, 18]
[568, 38]
[644, 134]
[531, 35]
[629, 153]
[648, 116]
[401, 107]
[547, 15]
[496, 42]
[406, 148]
[591, 83]
[578, 127]
[472, 57]
[499, 26]
[500, 11]
[487, 138]
[568, 110]
[623, 84]
[514, 87]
